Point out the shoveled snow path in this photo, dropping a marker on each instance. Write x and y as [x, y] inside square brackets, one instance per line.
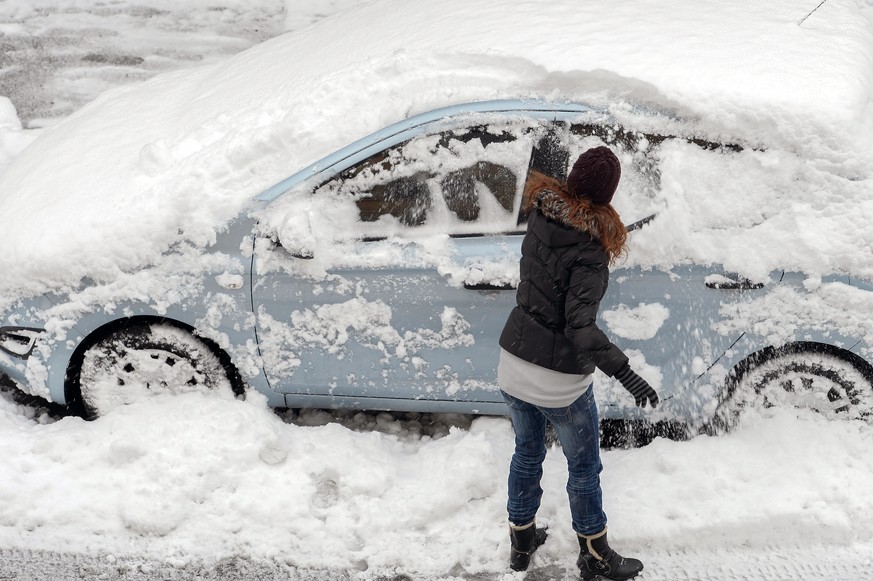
[779, 563]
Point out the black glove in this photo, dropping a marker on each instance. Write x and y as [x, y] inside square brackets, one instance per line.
[637, 386]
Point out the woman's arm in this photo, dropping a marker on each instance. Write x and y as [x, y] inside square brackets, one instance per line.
[587, 285]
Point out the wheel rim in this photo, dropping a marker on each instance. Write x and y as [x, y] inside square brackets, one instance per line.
[820, 382]
[147, 361]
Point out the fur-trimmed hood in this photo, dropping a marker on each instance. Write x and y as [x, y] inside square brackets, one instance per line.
[563, 209]
[599, 222]
[569, 214]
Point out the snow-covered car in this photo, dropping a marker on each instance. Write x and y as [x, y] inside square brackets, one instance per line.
[380, 277]
[145, 251]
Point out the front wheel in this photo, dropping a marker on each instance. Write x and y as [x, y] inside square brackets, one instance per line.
[145, 360]
[835, 383]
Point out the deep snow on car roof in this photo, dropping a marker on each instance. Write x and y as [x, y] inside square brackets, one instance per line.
[114, 185]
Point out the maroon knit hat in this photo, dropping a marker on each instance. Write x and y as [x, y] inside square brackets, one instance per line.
[595, 175]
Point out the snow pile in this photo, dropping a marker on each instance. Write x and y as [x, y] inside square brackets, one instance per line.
[194, 477]
[641, 322]
[144, 166]
[759, 211]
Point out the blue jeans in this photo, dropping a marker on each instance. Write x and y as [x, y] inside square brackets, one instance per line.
[578, 432]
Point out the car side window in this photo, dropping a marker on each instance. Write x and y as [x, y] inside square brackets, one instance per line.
[461, 181]
[637, 151]
[406, 198]
[557, 149]
[459, 189]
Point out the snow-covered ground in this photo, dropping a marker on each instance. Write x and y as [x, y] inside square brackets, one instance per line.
[194, 487]
[179, 483]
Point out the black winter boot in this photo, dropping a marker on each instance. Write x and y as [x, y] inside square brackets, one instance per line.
[525, 540]
[596, 558]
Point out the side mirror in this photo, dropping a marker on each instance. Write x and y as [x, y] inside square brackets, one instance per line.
[295, 235]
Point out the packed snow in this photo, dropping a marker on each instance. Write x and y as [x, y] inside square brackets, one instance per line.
[186, 479]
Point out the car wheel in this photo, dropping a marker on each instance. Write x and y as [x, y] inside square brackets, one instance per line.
[835, 383]
[145, 360]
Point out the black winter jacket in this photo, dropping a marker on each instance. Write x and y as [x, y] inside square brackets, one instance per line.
[564, 275]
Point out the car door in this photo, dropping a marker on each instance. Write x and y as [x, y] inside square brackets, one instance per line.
[412, 277]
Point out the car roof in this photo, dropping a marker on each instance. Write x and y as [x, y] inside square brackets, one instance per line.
[175, 158]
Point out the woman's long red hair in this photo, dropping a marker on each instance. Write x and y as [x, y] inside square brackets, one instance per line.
[601, 221]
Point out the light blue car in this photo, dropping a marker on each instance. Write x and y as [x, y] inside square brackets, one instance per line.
[381, 276]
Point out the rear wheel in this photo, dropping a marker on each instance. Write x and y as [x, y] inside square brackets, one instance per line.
[835, 383]
[145, 360]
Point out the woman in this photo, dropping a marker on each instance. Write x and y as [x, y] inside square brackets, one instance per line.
[550, 347]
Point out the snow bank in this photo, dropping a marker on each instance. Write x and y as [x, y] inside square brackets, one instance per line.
[111, 187]
[194, 477]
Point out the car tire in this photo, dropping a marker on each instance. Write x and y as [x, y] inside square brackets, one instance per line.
[836, 383]
[145, 360]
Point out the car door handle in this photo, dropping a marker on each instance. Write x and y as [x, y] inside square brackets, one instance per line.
[484, 286]
[744, 284]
